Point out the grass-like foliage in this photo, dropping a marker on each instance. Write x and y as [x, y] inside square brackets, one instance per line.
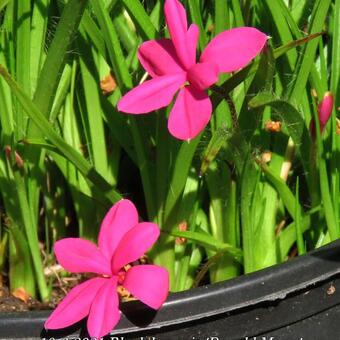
[260, 184]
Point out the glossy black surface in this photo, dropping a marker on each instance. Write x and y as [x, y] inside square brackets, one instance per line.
[261, 303]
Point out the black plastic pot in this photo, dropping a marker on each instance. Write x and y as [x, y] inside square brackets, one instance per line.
[299, 299]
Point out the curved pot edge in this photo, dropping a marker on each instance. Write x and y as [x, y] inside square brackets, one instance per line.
[270, 284]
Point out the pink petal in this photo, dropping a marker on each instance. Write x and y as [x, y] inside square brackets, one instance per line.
[122, 217]
[325, 109]
[235, 48]
[159, 58]
[203, 75]
[78, 256]
[192, 41]
[134, 244]
[76, 305]
[177, 24]
[152, 94]
[148, 283]
[190, 113]
[104, 313]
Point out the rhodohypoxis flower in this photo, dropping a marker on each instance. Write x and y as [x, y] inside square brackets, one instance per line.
[325, 108]
[172, 65]
[121, 240]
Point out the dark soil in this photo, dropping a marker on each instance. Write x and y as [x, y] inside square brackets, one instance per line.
[10, 303]
[20, 302]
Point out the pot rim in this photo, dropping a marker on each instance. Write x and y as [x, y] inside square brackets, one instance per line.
[267, 285]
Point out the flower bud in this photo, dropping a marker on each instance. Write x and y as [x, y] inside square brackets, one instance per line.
[325, 109]
[324, 112]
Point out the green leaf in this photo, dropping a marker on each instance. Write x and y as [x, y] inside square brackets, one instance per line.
[180, 174]
[21, 272]
[71, 154]
[221, 16]
[335, 58]
[141, 19]
[280, 51]
[3, 4]
[31, 234]
[92, 98]
[297, 218]
[209, 242]
[287, 237]
[196, 17]
[291, 118]
[116, 55]
[218, 139]
[23, 60]
[56, 59]
[280, 185]
[307, 58]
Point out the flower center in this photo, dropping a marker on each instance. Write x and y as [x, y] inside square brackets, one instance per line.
[121, 277]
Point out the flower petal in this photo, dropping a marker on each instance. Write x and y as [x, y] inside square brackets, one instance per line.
[177, 24]
[192, 41]
[190, 113]
[148, 283]
[159, 57]
[118, 221]
[203, 75]
[134, 244]
[78, 256]
[152, 94]
[76, 305]
[235, 48]
[104, 313]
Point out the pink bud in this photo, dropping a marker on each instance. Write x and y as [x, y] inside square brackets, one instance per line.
[325, 108]
[19, 161]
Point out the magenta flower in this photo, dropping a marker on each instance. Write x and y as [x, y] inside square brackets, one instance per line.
[172, 65]
[325, 108]
[122, 240]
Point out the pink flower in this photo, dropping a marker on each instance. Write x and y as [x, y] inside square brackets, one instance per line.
[122, 240]
[325, 108]
[172, 66]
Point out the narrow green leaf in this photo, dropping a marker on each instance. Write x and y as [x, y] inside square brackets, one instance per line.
[116, 55]
[56, 58]
[180, 173]
[221, 16]
[307, 59]
[23, 60]
[297, 218]
[218, 139]
[72, 155]
[88, 25]
[238, 17]
[208, 241]
[330, 215]
[279, 51]
[3, 4]
[38, 35]
[196, 17]
[280, 185]
[31, 235]
[335, 57]
[141, 19]
[97, 142]
[21, 272]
